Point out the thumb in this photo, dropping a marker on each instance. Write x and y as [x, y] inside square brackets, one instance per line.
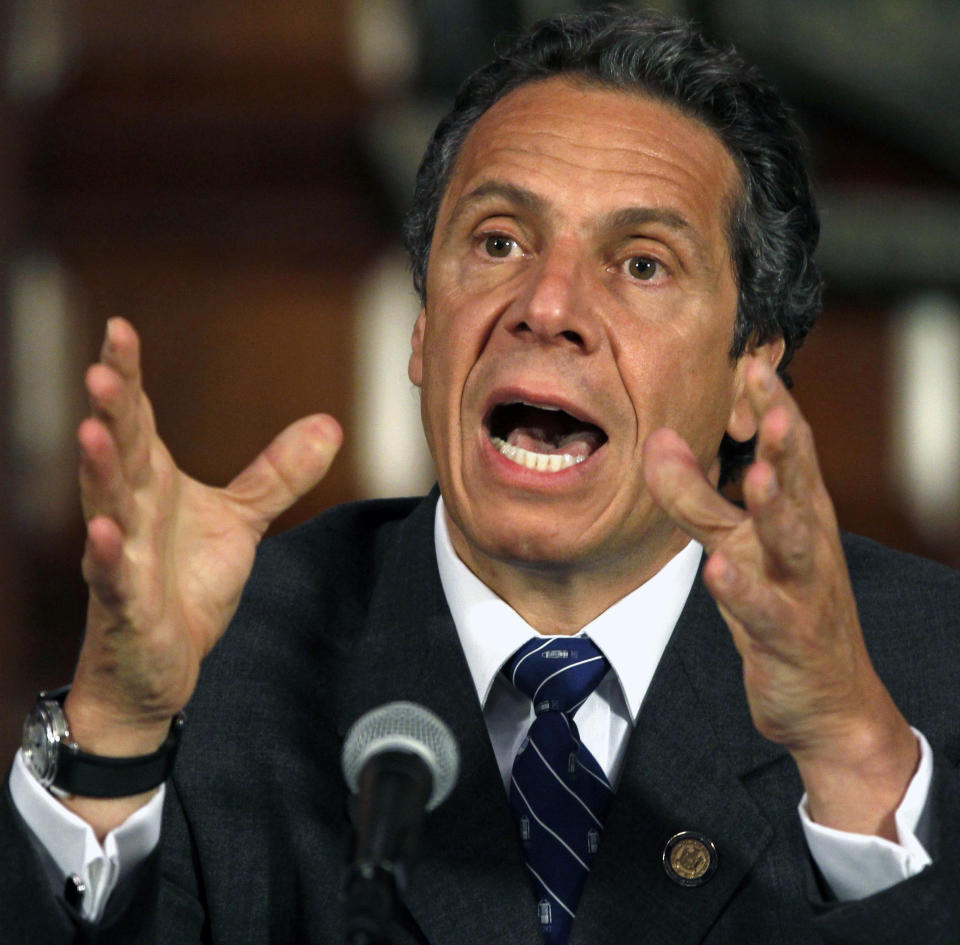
[681, 488]
[296, 460]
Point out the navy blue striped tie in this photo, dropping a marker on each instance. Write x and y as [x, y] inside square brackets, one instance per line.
[558, 792]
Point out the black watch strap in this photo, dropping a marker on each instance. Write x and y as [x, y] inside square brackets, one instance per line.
[100, 776]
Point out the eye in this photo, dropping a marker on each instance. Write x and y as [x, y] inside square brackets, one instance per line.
[643, 267]
[499, 247]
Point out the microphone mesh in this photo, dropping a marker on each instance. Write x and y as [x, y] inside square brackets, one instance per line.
[403, 726]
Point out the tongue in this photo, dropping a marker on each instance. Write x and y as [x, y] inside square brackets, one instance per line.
[544, 431]
[579, 443]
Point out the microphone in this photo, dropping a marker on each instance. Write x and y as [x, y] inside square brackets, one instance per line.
[399, 760]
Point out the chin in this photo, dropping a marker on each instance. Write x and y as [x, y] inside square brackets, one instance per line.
[535, 545]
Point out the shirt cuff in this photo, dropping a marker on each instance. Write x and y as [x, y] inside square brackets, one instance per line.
[857, 865]
[73, 845]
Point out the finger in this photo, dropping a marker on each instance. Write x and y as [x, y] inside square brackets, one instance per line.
[784, 437]
[102, 564]
[680, 487]
[784, 489]
[121, 349]
[751, 607]
[288, 468]
[784, 525]
[117, 398]
[103, 489]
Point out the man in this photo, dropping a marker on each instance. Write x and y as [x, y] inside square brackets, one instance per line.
[612, 238]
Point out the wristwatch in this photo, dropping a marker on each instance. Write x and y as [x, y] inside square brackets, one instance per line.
[56, 761]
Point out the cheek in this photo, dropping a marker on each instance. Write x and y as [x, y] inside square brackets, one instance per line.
[444, 371]
[684, 384]
[709, 409]
[458, 331]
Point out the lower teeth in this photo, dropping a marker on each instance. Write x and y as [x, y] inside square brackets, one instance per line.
[544, 462]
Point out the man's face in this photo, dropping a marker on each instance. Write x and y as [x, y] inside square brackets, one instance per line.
[580, 294]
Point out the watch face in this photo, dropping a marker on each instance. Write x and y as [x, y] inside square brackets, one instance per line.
[39, 747]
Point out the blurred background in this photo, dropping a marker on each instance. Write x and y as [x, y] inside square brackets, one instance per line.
[230, 175]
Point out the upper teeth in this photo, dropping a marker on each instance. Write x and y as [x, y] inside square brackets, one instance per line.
[527, 403]
[545, 462]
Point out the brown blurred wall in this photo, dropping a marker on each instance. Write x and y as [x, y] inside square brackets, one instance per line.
[197, 170]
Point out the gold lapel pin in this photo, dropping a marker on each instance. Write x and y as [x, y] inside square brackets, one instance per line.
[690, 858]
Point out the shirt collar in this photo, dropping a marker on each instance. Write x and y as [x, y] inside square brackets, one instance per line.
[632, 633]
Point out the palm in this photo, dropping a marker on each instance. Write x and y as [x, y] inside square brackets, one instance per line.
[167, 557]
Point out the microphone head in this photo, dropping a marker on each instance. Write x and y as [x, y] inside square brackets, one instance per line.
[403, 726]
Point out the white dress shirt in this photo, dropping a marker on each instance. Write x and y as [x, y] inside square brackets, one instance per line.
[490, 631]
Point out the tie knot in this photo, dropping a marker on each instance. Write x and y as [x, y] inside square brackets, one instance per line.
[557, 673]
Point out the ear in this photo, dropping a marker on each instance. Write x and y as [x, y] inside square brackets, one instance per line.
[743, 422]
[415, 367]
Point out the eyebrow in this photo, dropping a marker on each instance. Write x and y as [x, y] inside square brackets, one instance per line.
[628, 218]
[511, 193]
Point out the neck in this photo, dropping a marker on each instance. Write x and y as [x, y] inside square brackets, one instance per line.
[562, 598]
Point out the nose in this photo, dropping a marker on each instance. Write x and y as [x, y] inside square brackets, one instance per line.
[557, 304]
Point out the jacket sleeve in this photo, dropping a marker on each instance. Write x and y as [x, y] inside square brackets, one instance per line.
[31, 911]
[158, 903]
[923, 909]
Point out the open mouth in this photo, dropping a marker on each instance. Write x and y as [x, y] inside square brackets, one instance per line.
[547, 439]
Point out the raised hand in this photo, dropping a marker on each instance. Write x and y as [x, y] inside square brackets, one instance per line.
[166, 557]
[778, 574]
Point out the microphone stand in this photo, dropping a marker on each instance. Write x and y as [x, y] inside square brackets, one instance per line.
[394, 787]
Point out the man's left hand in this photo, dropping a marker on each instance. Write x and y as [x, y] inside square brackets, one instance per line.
[778, 574]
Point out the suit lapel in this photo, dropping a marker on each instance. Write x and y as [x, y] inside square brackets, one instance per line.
[693, 743]
[470, 873]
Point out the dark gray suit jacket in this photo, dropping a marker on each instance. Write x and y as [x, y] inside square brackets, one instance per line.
[346, 613]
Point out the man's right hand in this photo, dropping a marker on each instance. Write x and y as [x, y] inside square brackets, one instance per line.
[166, 557]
